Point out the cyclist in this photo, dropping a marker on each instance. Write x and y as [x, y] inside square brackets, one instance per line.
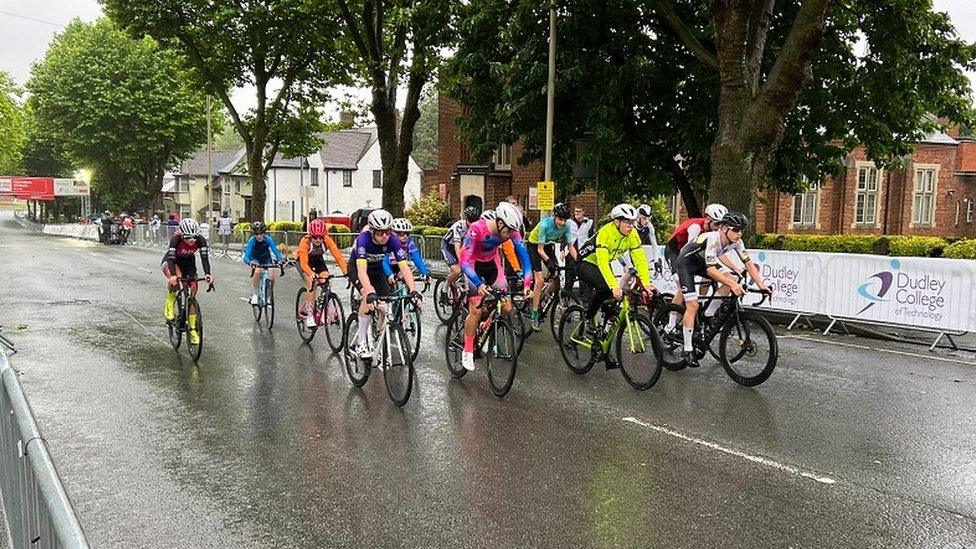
[645, 229]
[451, 244]
[179, 262]
[511, 263]
[482, 266]
[311, 260]
[701, 258]
[402, 227]
[542, 248]
[688, 231]
[614, 240]
[372, 246]
[260, 249]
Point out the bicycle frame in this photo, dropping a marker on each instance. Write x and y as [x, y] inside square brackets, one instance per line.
[611, 336]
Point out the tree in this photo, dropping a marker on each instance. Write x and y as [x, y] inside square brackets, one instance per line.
[12, 130]
[43, 153]
[285, 44]
[393, 42]
[225, 134]
[747, 93]
[120, 106]
[425, 135]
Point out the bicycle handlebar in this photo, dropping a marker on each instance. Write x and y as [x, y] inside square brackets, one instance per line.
[280, 266]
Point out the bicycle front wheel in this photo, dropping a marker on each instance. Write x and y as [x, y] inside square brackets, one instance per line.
[639, 352]
[443, 306]
[194, 322]
[356, 368]
[332, 319]
[574, 343]
[672, 341]
[269, 303]
[502, 357]
[178, 324]
[397, 365]
[748, 348]
[556, 310]
[412, 328]
[454, 345]
[304, 331]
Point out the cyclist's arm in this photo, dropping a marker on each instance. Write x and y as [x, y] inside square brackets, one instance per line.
[273, 246]
[204, 254]
[361, 267]
[387, 269]
[466, 261]
[508, 248]
[639, 259]
[603, 263]
[303, 258]
[249, 249]
[523, 256]
[171, 253]
[653, 237]
[418, 259]
[336, 253]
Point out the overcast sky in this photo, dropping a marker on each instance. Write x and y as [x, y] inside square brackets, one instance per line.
[27, 26]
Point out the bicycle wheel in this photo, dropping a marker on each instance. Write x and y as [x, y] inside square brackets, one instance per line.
[356, 368]
[501, 357]
[748, 348]
[194, 349]
[397, 365]
[672, 341]
[639, 352]
[332, 320]
[556, 310]
[304, 331]
[520, 327]
[256, 310]
[413, 328]
[178, 324]
[443, 306]
[269, 303]
[454, 345]
[574, 343]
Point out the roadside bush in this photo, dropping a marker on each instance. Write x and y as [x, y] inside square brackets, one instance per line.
[848, 244]
[429, 210]
[961, 249]
[916, 246]
[294, 226]
[434, 231]
[900, 246]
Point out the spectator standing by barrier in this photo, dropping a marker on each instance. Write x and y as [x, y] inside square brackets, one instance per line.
[580, 229]
[224, 229]
[154, 224]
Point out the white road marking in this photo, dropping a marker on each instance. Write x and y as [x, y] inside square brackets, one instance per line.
[736, 453]
[150, 271]
[868, 348]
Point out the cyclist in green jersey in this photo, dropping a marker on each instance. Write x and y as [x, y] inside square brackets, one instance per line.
[612, 242]
[542, 250]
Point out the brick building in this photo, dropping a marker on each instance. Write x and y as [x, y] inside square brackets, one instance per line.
[461, 182]
[933, 196]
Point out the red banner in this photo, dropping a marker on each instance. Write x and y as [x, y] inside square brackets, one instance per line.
[28, 188]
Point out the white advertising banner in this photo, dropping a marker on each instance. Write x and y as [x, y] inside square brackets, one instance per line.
[71, 187]
[6, 185]
[926, 292]
[796, 278]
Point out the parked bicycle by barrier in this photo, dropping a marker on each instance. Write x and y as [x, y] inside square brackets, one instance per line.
[326, 311]
[747, 346]
[265, 306]
[387, 348]
[189, 319]
[496, 340]
[621, 333]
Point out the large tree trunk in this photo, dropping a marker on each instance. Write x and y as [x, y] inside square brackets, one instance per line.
[386, 132]
[255, 170]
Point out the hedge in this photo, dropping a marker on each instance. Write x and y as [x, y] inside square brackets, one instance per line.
[900, 246]
[916, 246]
[434, 231]
[961, 249]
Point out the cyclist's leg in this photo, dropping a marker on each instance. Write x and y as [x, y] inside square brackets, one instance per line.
[591, 275]
[536, 260]
[255, 281]
[168, 310]
[687, 269]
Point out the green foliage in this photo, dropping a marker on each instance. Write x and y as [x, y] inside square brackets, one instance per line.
[916, 246]
[661, 216]
[962, 249]
[12, 127]
[429, 210]
[243, 228]
[435, 231]
[225, 134]
[900, 246]
[425, 133]
[120, 106]
[292, 226]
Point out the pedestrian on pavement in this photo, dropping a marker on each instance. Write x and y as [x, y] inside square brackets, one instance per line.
[154, 224]
[224, 228]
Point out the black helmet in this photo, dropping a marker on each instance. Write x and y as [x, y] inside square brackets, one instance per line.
[258, 227]
[735, 220]
[561, 210]
[471, 214]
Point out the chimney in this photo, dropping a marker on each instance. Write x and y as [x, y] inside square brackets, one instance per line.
[347, 119]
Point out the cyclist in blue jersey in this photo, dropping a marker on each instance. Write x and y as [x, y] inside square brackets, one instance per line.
[402, 227]
[260, 249]
[542, 249]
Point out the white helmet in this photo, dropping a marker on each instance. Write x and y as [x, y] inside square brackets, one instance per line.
[509, 215]
[189, 227]
[402, 225]
[625, 211]
[644, 210]
[380, 220]
[716, 211]
[488, 214]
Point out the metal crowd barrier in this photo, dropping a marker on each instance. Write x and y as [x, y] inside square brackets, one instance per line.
[36, 505]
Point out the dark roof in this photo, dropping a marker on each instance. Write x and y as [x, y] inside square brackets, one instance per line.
[197, 164]
[343, 149]
[282, 162]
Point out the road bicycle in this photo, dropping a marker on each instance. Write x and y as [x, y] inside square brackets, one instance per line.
[552, 304]
[448, 299]
[265, 307]
[408, 315]
[621, 333]
[326, 310]
[388, 349]
[747, 346]
[188, 317]
[496, 340]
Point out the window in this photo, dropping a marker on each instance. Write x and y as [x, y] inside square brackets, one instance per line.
[969, 211]
[377, 179]
[182, 185]
[958, 211]
[347, 178]
[501, 159]
[866, 201]
[923, 199]
[314, 175]
[805, 205]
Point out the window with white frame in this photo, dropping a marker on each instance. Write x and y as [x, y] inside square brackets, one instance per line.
[377, 179]
[501, 159]
[347, 178]
[182, 185]
[806, 205]
[314, 177]
[866, 199]
[923, 197]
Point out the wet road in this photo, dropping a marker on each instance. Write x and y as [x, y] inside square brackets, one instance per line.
[266, 443]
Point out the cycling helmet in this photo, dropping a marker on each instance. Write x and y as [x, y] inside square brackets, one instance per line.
[471, 214]
[189, 227]
[509, 215]
[488, 214]
[317, 228]
[735, 220]
[258, 227]
[716, 212]
[644, 210]
[561, 210]
[380, 220]
[402, 225]
[623, 211]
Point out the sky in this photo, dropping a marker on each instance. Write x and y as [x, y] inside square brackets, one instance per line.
[27, 26]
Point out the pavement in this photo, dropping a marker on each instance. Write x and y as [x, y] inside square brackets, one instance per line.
[264, 442]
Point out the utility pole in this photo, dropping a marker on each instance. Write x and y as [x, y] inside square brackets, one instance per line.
[209, 168]
[550, 94]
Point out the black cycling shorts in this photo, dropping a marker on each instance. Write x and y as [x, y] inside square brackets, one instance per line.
[377, 278]
[535, 259]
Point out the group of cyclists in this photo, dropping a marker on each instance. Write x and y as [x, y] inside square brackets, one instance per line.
[383, 251]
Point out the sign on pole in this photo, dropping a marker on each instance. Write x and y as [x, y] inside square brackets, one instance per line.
[533, 198]
[547, 195]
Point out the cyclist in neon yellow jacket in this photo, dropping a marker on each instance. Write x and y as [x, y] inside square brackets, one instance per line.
[610, 243]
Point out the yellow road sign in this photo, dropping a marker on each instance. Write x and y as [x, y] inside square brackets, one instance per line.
[547, 194]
